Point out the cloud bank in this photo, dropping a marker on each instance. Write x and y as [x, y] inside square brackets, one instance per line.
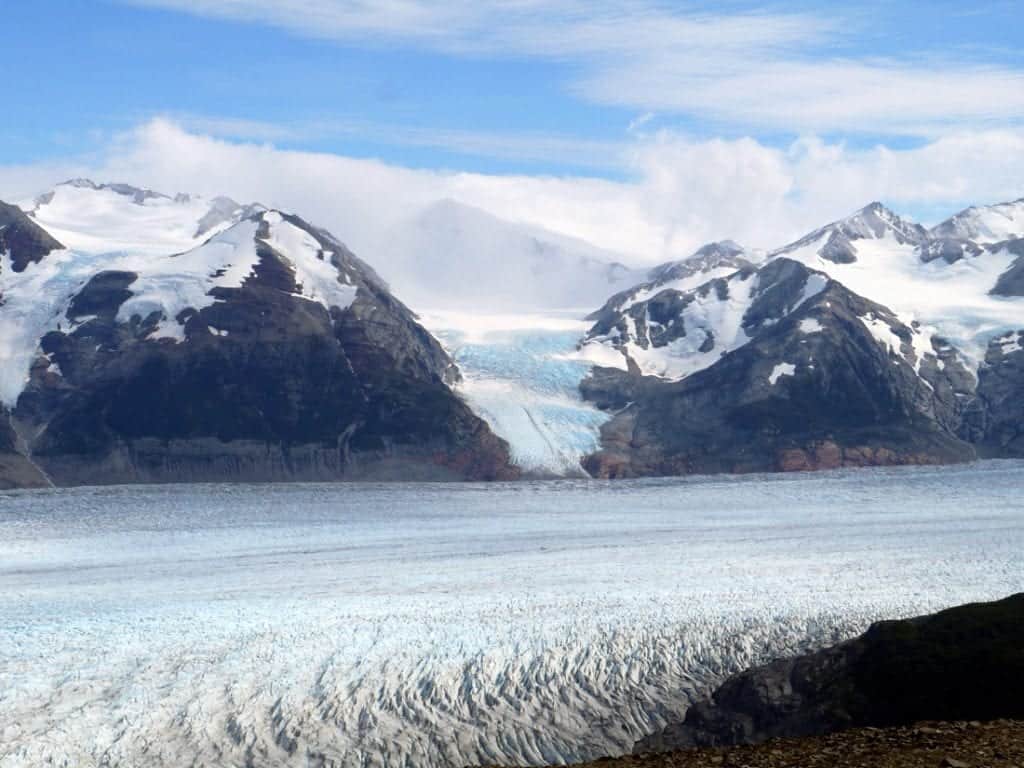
[680, 193]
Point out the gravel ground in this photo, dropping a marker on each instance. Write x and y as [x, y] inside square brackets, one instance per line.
[997, 744]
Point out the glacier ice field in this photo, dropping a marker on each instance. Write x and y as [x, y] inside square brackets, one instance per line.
[521, 374]
[434, 625]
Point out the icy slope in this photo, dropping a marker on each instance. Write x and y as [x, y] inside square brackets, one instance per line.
[462, 258]
[949, 289]
[985, 224]
[435, 626]
[100, 218]
[521, 374]
[952, 300]
[165, 285]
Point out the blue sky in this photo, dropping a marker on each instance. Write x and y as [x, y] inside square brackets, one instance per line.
[775, 105]
[78, 70]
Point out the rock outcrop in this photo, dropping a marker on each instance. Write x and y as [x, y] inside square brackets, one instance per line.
[994, 420]
[22, 240]
[965, 663]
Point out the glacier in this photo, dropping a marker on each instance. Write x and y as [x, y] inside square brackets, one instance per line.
[521, 374]
[437, 625]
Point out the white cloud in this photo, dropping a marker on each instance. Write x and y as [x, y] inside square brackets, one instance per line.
[751, 69]
[683, 192]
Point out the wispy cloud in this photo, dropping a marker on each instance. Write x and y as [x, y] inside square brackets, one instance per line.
[567, 151]
[747, 68]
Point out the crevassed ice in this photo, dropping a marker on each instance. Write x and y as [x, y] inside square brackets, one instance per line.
[432, 626]
[521, 375]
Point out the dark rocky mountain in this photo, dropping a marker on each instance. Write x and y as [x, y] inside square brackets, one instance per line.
[810, 386]
[965, 663]
[795, 363]
[993, 420]
[24, 241]
[270, 352]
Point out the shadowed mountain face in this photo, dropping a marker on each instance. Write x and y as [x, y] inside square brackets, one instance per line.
[24, 241]
[267, 352]
[871, 341]
[966, 663]
[810, 387]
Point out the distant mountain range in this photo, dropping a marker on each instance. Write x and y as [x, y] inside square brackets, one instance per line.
[870, 341]
[151, 338]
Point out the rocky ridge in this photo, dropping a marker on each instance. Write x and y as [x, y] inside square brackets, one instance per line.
[910, 358]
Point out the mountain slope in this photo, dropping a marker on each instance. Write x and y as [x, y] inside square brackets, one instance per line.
[912, 359]
[984, 224]
[103, 218]
[268, 351]
[788, 370]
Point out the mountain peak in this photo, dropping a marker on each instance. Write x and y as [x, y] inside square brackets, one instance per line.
[138, 194]
[718, 248]
[836, 242]
[984, 224]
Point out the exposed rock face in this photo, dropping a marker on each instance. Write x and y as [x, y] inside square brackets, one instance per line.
[306, 368]
[966, 663]
[22, 239]
[821, 378]
[995, 420]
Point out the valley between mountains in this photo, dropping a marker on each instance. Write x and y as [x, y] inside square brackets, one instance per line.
[154, 338]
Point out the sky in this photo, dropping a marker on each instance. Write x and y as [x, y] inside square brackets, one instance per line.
[644, 127]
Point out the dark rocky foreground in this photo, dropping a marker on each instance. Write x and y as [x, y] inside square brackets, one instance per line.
[965, 663]
[972, 744]
[938, 691]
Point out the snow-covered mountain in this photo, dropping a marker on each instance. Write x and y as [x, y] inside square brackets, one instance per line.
[457, 257]
[895, 264]
[702, 372]
[151, 337]
[985, 224]
[207, 340]
[104, 218]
